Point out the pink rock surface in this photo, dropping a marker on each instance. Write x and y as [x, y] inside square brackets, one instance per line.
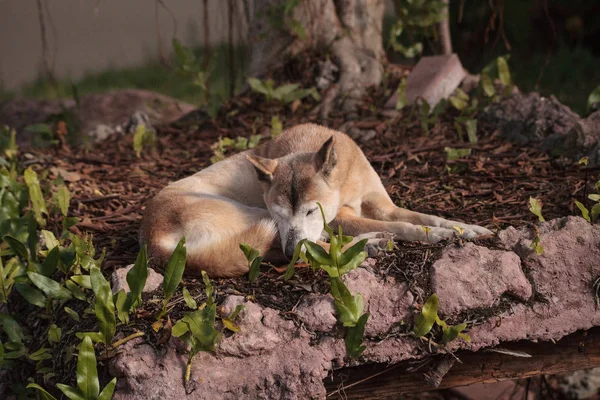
[475, 276]
[434, 78]
[388, 301]
[119, 280]
[273, 357]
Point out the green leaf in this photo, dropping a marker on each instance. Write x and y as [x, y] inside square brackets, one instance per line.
[120, 299]
[594, 97]
[425, 320]
[536, 208]
[17, 246]
[471, 126]
[47, 396]
[201, 325]
[450, 333]
[82, 280]
[249, 252]
[72, 313]
[254, 269]
[174, 270]
[276, 126]
[595, 211]
[584, 211]
[401, 91]
[594, 197]
[71, 392]
[354, 337]
[63, 197]
[32, 295]
[50, 239]
[258, 86]
[208, 289]
[40, 355]
[35, 195]
[455, 154]
[108, 390]
[54, 334]
[50, 287]
[487, 85]
[318, 253]
[289, 272]
[87, 374]
[189, 300]
[504, 71]
[179, 329]
[104, 306]
[583, 161]
[51, 262]
[536, 246]
[11, 328]
[353, 257]
[460, 99]
[136, 279]
[349, 307]
[42, 129]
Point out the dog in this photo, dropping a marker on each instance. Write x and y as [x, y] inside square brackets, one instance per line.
[267, 197]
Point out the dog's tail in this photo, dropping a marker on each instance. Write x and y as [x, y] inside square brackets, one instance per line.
[218, 254]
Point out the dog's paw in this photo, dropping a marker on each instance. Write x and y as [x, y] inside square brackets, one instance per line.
[436, 234]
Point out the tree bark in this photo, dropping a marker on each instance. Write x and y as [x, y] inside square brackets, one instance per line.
[349, 29]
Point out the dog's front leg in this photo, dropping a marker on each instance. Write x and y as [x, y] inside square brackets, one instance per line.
[381, 207]
[355, 225]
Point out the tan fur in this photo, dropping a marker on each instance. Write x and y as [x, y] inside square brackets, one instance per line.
[248, 197]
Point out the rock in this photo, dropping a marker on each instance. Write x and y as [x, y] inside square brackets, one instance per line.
[584, 140]
[562, 279]
[100, 115]
[289, 369]
[529, 117]
[119, 280]
[389, 302]
[473, 277]
[274, 357]
[434, 78]
[317, 312]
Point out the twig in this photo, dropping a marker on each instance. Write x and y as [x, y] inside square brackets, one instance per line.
[100, 198]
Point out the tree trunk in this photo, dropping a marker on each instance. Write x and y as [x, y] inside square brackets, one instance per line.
[349, 29]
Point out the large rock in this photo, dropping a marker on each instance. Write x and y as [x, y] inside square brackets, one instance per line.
[584, 139]
[530, 117]
[272, 357]
[475, 276]
[99, 115]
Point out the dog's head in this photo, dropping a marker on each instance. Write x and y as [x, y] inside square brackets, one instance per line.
[292, 187]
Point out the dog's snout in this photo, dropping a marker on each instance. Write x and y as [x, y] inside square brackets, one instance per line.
[290, 244]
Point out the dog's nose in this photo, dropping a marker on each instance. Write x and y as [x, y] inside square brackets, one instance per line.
[288, 252]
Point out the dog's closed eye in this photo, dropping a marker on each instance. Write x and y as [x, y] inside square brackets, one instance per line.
[309, 212]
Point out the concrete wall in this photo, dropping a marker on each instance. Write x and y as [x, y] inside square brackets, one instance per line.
[93, 35]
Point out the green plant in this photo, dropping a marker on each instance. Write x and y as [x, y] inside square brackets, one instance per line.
[283, 94]
[280, 17]
[276, 126]
[536, 208]
[336, 263]
[88, 385]
[428, 116]
[174, 272]
[144, 136]
[240, 143]
[428, 317]
[197, 328]
[188, 65]
[589, 215]
[593, 98]
[254, 260]
[418, 19]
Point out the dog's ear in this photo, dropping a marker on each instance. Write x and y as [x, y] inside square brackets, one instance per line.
[265, 167]
[325, 158]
